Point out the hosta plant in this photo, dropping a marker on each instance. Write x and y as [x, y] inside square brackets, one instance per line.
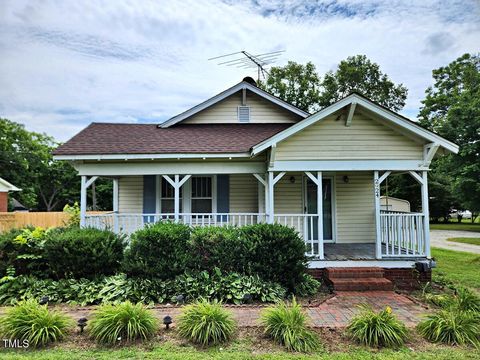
[452, 327]
[125, 322]
[377, 329]
[286, 323]
[206, 323]
[29, 321]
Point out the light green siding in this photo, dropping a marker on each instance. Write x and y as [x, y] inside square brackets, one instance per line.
[130, 194]
[366, 138]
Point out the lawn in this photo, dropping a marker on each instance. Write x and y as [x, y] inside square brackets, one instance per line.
[473, 241]
[459, 268]
[170, 351]
[456, 226]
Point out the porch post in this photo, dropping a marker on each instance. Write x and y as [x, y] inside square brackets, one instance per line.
[378, 241]
[269, 198]
[115, 205]
[83, 200]
[177, 198]
[426, 212]
[320, 214]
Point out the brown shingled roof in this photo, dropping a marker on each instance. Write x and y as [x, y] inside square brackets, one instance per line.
[108, 138]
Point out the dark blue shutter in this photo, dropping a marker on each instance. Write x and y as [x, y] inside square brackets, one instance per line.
[223, 195]
[149, 197]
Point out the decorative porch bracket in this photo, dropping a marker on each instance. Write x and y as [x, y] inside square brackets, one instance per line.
[423, 181]
[377, 181]
[429, 152]
[85, 184]
[319, 182]
[177, 184]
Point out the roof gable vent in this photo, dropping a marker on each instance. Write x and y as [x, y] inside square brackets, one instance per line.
[244, 114]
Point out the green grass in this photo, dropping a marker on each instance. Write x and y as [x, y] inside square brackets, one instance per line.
[176, 352]
[459, 268]
[473, 241]
[456, 226]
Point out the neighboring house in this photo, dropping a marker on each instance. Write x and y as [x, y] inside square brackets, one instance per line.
[5, 188]
[394, 204]
[245, 156]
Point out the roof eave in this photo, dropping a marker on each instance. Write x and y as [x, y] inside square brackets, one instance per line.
[100, 157]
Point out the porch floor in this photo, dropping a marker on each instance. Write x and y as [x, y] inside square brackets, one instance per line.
[353, 251]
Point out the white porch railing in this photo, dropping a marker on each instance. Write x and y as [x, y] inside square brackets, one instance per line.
[402, 234]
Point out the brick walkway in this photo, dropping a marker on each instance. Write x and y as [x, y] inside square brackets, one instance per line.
[335, 312]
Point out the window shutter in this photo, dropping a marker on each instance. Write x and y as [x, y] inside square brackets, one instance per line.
[244, 114]
[149, 197]
[223, 194]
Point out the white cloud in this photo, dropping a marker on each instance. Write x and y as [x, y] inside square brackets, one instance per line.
[64, 64]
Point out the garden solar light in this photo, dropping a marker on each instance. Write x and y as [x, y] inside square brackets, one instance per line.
[167, 320]
[43, 300]
[81, 323]
[180, 299]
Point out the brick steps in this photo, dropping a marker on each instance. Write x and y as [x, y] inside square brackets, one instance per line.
[358, 279]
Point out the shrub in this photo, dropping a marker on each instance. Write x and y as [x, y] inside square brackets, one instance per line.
[23, 249]
[73, 212]
[286, 324]
[466, 300]
[308, 286]
[276, 253]
[34, 323]
[124, 322]
[377, 328]
[83, 253]
[206, 323]
[158, 251]
[452, 327]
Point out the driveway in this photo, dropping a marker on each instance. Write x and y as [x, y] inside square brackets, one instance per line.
[438, 238]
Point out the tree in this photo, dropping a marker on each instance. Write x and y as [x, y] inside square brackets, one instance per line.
[452, 109]
[358, 73]
[294, 83]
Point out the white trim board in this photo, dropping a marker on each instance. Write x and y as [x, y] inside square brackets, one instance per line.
[389, 116]
[391, 264]
[224, 94]
[152, 156]
[347, 165]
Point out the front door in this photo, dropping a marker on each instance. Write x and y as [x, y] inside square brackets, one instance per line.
[310, 191]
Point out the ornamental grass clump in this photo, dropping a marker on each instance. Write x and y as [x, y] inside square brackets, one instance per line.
[452, 327]
[125, 322]
[206, 323]
[33, 323]
[286, 324]
[377, 329]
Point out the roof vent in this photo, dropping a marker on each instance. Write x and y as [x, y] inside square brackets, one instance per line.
[244, 114]
[250, 80]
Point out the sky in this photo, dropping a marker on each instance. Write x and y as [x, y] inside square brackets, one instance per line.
[65, 64]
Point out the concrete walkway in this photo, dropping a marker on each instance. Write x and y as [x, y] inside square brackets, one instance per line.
[336, 312]
[438, 238]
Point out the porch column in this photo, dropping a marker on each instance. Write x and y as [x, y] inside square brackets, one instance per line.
[115, 205]
[177, 184]
[263, 183]
[85, 183]
[272, 180]
[377, 181]
[318, 180]
[426, 212]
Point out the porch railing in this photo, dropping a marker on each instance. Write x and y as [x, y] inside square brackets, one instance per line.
[402, 234]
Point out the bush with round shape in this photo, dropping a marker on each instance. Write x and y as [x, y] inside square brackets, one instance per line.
[83, 253]
[308, 286]
[452, 327]
[276, 253]
[286, 324]
[377, 329]
[125, 322]
[158, 251]
[206, 323]
[29, 321]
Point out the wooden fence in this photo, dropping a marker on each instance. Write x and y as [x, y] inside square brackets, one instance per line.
[11, 220]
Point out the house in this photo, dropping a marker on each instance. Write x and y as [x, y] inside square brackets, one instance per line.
[245, 156]
[5, 188]
[394, 204]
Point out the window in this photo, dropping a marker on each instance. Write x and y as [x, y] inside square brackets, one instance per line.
[202, 194]
[167, 205]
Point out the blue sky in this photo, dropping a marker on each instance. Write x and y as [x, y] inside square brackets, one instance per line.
[64, 64]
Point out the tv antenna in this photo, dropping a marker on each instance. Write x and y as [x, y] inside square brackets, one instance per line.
[248, 61]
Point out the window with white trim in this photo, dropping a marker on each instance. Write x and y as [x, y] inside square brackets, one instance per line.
[167, 203]
[202, 199]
